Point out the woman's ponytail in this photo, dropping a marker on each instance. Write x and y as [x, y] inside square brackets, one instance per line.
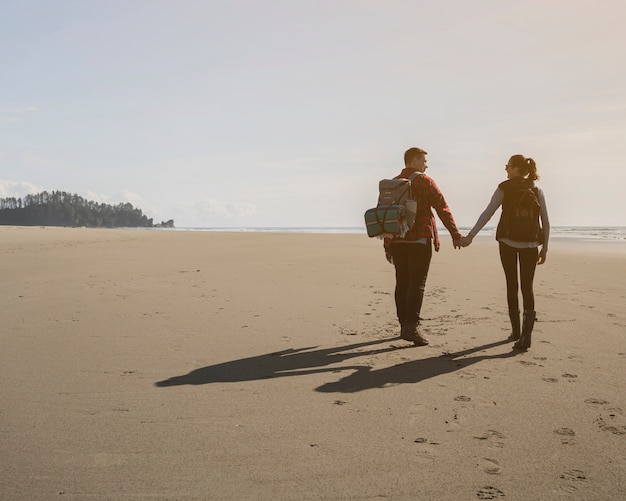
[533, 175]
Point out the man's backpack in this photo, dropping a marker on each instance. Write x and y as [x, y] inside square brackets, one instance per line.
[394, 214]
[520, 213]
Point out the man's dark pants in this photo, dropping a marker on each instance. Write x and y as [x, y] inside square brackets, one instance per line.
[412, 261]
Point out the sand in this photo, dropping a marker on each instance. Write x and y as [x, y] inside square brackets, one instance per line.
[251, 366]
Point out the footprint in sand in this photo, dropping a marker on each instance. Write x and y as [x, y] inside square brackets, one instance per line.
[610, 426]
[489, 434]
[347, 332]
[596, 401]
[417, 413]
[493, 437]
[426, 452]
[576, 358]
[489, 492]
[565, 431]
[574, 475]
[550, 379]
[491, 466]
[466, 374]
[456, 421]
[567, 436]
[462, 398]
[526, 362]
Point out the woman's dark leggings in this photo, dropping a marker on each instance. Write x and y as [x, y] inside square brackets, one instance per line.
[527, 264]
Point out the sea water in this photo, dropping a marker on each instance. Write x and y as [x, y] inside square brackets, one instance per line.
[578, 232]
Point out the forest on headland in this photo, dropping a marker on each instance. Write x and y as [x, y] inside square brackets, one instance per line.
[59, 208]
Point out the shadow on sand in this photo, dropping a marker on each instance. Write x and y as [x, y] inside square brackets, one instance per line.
[364, 377]
[292, 362]
[311, 360]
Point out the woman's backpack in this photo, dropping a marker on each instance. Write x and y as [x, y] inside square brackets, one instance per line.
[520, 212]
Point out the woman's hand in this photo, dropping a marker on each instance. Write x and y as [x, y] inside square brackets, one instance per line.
[542, 256]
[465, 241]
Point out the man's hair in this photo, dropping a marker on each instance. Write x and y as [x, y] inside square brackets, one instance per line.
[411, 153]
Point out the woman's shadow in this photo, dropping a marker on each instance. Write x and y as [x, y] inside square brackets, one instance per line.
[310, 360]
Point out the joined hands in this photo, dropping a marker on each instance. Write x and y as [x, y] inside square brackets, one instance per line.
[462, 242]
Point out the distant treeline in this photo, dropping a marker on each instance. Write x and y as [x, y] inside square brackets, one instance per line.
[59, 208]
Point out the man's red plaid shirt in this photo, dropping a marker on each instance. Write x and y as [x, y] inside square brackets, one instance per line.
[428, 197]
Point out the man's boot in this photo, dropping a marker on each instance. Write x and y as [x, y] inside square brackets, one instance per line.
[527, 330]
[412, 332]
[515, 324]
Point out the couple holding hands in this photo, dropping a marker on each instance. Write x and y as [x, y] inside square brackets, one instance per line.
[522, 233]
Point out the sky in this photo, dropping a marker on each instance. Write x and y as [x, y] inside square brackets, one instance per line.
[283, 113]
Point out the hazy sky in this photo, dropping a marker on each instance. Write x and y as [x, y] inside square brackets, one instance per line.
[287, 113]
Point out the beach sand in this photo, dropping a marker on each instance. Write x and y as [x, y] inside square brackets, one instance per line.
[261, 366]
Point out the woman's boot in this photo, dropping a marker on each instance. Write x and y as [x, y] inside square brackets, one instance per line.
[515, 332]
[527, 330]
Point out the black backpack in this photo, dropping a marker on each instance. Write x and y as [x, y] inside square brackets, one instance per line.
[520, 212]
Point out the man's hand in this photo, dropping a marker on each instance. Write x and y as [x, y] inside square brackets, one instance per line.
[465, 241]
[389, 257]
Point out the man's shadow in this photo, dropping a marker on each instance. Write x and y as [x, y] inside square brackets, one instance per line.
[365, 378]
[291, 362]
[302, 361]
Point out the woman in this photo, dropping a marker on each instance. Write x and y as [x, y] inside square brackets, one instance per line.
[520, 235]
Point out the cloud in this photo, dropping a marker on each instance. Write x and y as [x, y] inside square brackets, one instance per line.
[19, 111]
[17, 189]
[211, 212]
[120, 197]
[16, 114]
[126, 196]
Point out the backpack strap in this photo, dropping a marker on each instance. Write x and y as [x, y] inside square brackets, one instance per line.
[412, 178]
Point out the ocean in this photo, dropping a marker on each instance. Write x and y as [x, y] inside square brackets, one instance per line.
[611, 233]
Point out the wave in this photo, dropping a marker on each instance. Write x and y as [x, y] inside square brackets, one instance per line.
[578, 232]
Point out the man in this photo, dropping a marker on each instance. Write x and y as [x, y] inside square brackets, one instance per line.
[412, 253]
